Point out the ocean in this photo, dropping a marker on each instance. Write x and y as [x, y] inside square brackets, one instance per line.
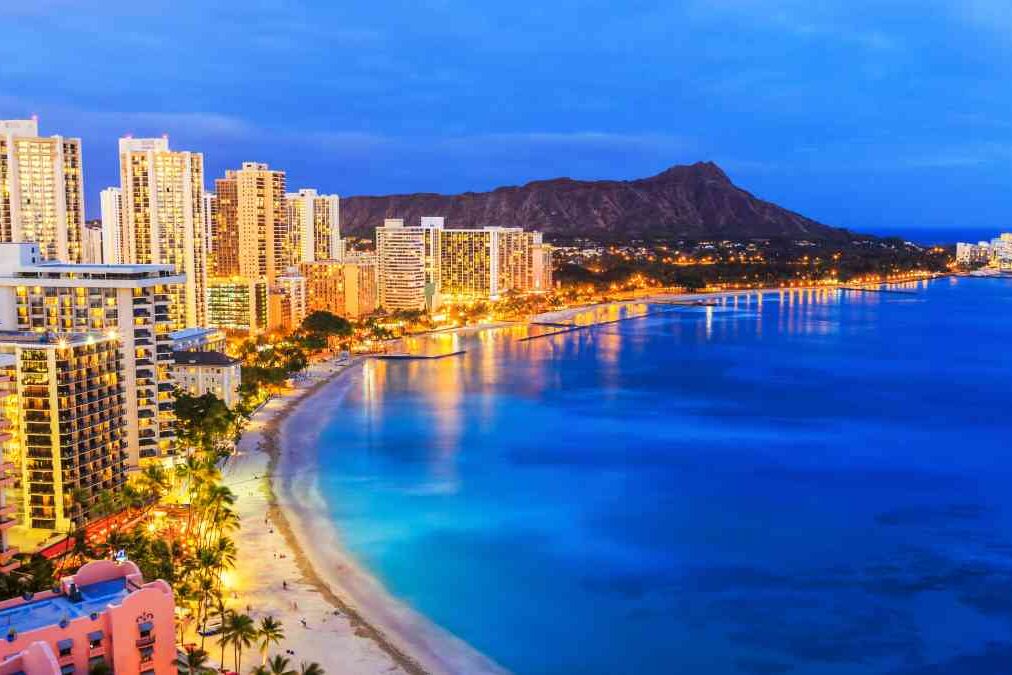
[814, 483]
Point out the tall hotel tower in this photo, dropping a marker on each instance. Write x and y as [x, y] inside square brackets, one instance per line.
[314, 226]
[407, 264]
[163, 219]
[41, 193]
[251, 237]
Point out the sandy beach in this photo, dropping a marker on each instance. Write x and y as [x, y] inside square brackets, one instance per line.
[292, 566]
[267, 563]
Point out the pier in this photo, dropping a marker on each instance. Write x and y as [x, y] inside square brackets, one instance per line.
[400, 356]
[570, 327]
[858, 289]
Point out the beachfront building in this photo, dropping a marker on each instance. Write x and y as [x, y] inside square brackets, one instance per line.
[199, 373]
[996, 253]
[41, 190]
[198, 340]
[314, 225]
[103, 616]
[162, 220]
[407, 265]
[238, 304]
[111, 200]
[69, 418]
[128, 302]
[420, 267]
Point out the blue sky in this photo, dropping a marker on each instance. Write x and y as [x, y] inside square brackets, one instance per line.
[869, 114]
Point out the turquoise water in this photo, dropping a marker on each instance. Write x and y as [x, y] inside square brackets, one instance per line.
[817, 483]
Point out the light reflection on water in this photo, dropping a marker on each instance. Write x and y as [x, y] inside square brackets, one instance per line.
[803, 482]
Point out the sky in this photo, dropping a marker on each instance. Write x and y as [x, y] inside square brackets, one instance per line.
[877, 115]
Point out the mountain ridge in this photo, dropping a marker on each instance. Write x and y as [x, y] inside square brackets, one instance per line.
[695, 201]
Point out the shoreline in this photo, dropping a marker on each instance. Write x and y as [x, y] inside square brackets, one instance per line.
[402, 640]
[276, 513]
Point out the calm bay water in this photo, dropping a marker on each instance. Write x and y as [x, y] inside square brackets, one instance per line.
[817, 483]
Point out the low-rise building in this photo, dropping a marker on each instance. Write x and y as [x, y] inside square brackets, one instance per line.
[237, 304]
[204, 372]
[198, 340]
[105, 615]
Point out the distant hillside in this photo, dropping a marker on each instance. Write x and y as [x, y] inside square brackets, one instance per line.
[697, 201]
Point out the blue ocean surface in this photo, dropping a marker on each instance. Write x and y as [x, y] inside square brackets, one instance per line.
[815, 483]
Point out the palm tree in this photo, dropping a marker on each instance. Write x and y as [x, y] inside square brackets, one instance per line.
[196, 662]
[270, 632]
[241, 632]
[313, 668]
[279, 666]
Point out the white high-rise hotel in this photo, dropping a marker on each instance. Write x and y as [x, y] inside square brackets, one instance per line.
[162, 219]
[41, 195]
[419, 267]
[314, 225]
[112, 225]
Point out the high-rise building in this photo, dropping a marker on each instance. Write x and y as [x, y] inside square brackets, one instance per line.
[112, 225]
[131, 302]
[225, 227]
[69, 424]
[420, 267]
[407, 265]
[314, 225]
[237, 304]
[163, 219]
[41, 190]
[91, 243]
[360, 296]
[251, 236]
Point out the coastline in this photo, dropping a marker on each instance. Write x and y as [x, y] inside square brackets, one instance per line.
[370, 631]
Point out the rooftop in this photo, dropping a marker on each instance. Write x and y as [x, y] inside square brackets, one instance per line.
[33, 614]
[23, 337]
[202, 359]
[194, 332]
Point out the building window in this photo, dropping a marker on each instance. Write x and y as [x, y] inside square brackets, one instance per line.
[65, 647]
[146, 654]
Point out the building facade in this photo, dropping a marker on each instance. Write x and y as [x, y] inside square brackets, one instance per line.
[131, 302]
[198, 340]
[41, 190]
[112, 226]
[204, 372]
[163, 221]
[105, 616]
[287, 302]
[69, 424]
[314, 225]
[407, 265]
[251, 237]
[91, 244]
[421, 267]
[238, 304]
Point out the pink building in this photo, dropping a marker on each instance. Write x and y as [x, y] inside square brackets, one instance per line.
[104, 613]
